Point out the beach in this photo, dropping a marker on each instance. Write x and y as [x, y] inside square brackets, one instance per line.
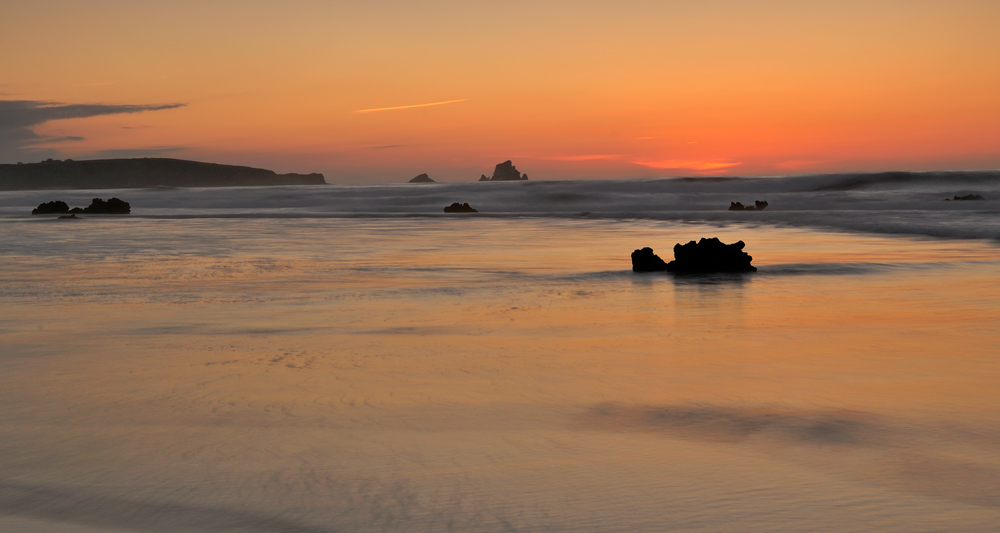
[353, 359]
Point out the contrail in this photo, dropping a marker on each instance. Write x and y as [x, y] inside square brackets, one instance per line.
[408, 106]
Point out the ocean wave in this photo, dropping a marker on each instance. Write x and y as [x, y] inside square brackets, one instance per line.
[895, 203]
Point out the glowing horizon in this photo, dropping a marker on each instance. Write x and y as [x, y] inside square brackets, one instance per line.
[597, 91]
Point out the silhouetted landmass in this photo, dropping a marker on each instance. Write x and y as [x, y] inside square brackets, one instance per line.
[51, 208]
[703, 257]
[460, 208]
[73, 217]
[141, 173]
[758, 206]
[505, 171]
[966, 197]
[423, 178]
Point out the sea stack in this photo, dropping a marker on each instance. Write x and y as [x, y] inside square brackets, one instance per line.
[423, 178]
[703, 257]
[505, 171]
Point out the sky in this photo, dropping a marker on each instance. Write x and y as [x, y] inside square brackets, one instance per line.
[380, 91]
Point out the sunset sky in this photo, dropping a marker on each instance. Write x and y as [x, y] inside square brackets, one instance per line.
[379, 91]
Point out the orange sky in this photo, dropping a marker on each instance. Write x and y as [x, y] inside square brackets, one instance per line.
[566, 89]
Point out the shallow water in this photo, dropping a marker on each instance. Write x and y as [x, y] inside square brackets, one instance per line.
[491, 374]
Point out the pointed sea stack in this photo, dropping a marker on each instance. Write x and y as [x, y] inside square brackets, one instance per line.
[423, 178]
[505, 171]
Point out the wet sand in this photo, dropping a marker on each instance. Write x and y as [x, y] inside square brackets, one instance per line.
[492, 375]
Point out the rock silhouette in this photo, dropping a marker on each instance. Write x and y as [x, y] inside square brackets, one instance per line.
[423, 178]
[505, 171]
[703, 257]
[460, 208]
[645, 260]
[758, 206]
[966, 197]
[73, 216]
[97, 206]
[51, 208]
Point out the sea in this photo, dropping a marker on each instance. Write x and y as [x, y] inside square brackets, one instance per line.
[353, 359]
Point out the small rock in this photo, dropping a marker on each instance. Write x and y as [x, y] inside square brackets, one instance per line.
[460, 208]
[51, 208]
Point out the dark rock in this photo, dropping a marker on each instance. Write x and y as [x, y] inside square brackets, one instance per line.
[459, 208]
[113, 206]
[710, 255]
[969, 197]
[506, 171]
[483, 178]
[73, 216]
[703, 257]
[50, 208]
[423, 178]
[758, 205]
[645, 260]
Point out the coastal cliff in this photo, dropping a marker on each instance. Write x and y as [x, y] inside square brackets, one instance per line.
[141, 173]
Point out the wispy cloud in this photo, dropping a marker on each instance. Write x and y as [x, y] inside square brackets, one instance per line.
[688, 164]
[579, 157]
[131, 152]
[19, 117]
[400, 107]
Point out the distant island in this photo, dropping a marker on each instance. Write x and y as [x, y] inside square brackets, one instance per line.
[423, 178]
[141, 173]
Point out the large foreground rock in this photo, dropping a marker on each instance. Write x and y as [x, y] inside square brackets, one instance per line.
[703, 257]
[645, 260]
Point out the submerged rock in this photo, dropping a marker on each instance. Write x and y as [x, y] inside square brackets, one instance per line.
[967, 197]
[460, 208]
[73, 216]
[703, 257]
[758, 205]
[51, 208]
[423, 178]
[505, 171]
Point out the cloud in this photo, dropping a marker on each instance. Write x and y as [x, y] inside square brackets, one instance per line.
[582, 157]
[408, 106]
[131, 152]
[688, 164]
[19, 117]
